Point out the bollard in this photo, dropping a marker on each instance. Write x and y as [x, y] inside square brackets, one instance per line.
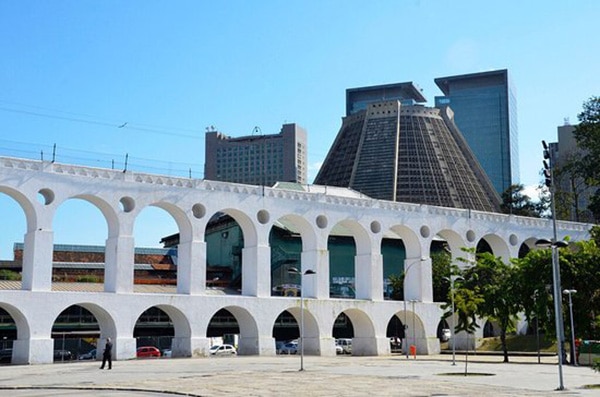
[413, 351]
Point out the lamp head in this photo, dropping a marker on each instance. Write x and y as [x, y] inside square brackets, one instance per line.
[543, 243]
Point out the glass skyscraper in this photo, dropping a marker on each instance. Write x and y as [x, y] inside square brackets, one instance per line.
[485, 111]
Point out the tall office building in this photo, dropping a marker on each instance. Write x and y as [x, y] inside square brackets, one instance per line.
[257, 159]
[358, 98]
[572, 194]
[407, 153]
[485, 111]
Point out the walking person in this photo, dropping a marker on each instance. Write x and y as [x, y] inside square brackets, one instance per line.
[107, 355]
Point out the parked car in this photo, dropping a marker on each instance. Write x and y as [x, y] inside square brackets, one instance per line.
[62, 355]
[5, 355]
[446, 335]
[167, 353]
[147, 351]
[346, 344]
[91, 355]
[339, 349]
[289, 348]
[223, 350]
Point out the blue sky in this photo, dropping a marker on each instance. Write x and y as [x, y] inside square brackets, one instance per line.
[72, 72]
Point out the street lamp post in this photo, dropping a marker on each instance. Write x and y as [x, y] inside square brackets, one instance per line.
[414, 328]
[572, 349]
[405, 325]
[294, 271]
[537, 325]
[555, 244]
[452, 279]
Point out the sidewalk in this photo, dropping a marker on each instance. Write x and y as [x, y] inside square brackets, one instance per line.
[323, 376]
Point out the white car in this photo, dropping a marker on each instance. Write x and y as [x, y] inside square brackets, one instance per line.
[345, 344]
[223, 350]
[289, 348]
[91, 355]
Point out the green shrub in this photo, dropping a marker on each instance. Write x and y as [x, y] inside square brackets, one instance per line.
[88, 279]
[596, 365]
[6, 274]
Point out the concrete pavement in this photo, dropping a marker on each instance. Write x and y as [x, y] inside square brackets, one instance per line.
[323, 376]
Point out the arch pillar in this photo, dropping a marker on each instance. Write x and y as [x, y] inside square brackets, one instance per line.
[190, 347]
[256, 271]
[316, 285]
[369, 276]
[253, 345]
[33, 351]
[191, 267]
[327, 346]
[119, 260]
[370, 345]
[37, 260]
[418, 276]
[124, 348]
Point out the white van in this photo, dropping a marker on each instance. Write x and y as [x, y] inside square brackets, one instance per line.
[345, 344]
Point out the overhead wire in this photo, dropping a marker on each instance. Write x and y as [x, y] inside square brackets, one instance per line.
[95, 120]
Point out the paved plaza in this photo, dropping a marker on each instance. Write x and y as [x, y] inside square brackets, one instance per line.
[280, 376]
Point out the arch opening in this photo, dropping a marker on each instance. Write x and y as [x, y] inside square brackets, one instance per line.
[75, 333]
[156, 235]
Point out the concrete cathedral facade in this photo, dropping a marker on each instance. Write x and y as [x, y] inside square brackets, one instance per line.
[41, 187]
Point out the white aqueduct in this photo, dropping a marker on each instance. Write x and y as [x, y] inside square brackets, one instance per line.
[40, 187]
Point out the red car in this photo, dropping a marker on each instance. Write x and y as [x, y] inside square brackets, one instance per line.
[147, 351]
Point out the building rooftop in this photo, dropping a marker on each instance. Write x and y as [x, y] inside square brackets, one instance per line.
[444, 82]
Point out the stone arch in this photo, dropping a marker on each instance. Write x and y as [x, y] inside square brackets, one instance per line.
[25, 204]
[415, 332]
[249, 337]
[410, 267]
[106, 327]
[181, 323]
[180, 217]
[362, 240]
[182, 330]
[527, 245]
[498, 245]
[412, 245]
[292, 252]
[357, 283]
[310, 326]
[105, 320]
[109, 213]
[101, 214]
[21, 322]
[254, 275]
[246, 224]
[455, 243]
[364, 341]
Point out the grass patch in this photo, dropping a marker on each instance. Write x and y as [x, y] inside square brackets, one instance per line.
[518, 343]
[590, 387]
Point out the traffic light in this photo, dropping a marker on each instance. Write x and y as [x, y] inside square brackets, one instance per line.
[547, 174]
[547, 164]
[546, 151]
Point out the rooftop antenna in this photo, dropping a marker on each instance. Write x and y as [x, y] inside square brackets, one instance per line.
[257, 130]
[566, 121]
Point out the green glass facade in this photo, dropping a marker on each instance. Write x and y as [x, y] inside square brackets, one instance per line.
[485, 111]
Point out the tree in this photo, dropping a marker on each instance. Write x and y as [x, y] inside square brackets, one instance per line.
[587, 135]
[516, 202]
[495, 281]
[467, 300]
[586, 166]
[441, 268]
